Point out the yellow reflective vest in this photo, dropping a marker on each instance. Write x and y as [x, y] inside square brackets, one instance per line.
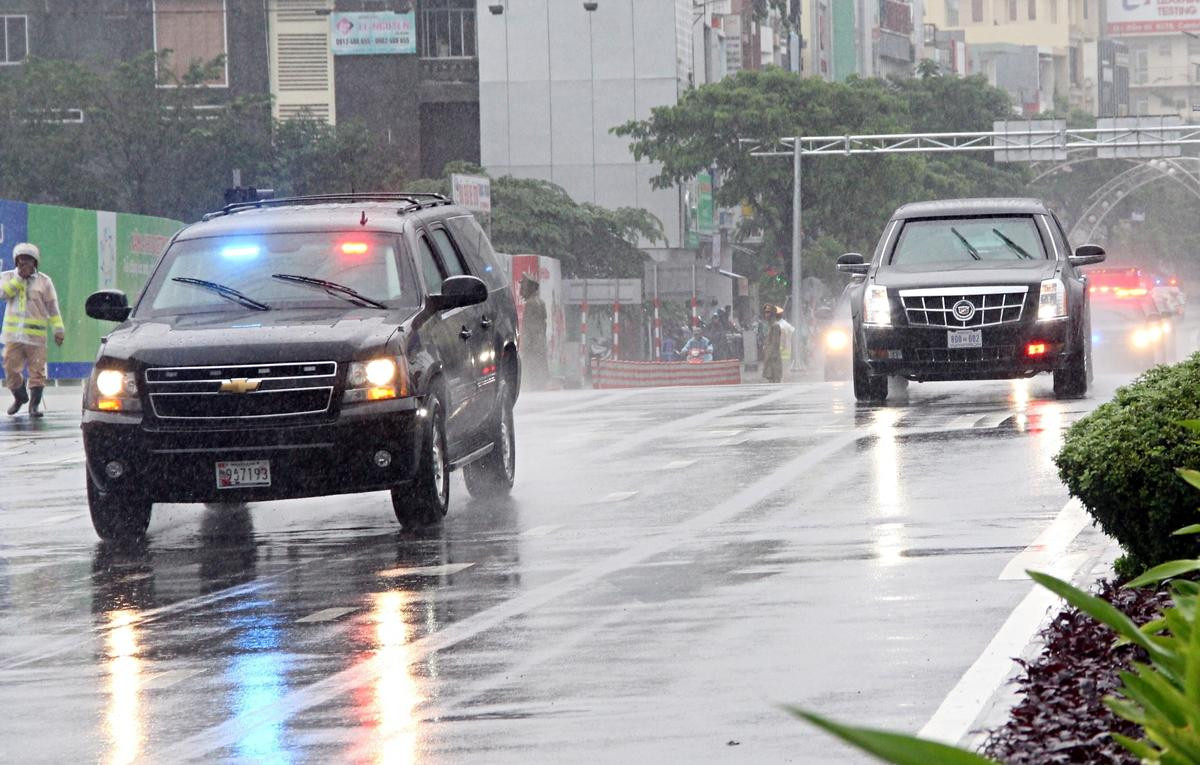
[30, 308]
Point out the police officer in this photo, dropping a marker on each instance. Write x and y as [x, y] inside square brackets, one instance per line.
[30, 314]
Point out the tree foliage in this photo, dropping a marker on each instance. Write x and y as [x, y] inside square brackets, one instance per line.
[846, 198]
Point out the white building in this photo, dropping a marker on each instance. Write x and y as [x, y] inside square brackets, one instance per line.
[555, 78]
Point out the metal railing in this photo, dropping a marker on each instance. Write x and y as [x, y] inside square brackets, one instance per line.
[447, 33]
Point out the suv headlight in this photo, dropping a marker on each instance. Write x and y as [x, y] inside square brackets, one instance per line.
[877, 309]
[376, 380]
[113, 390]
[1052, 304]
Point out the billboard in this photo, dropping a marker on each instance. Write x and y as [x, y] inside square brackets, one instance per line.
[83, 251]
[1131, 17]
[371, 34]
[473, 192]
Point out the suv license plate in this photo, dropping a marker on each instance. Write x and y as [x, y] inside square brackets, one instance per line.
[964, 338]
[237, 475]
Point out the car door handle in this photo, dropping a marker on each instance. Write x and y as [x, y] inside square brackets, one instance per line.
[465, 333]
[485, 322]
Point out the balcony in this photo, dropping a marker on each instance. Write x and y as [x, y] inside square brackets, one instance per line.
[895, 46]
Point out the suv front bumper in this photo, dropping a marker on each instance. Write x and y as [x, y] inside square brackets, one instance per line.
[332, 456]
[923, 353]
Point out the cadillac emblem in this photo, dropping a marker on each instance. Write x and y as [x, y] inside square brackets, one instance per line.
[963, 310]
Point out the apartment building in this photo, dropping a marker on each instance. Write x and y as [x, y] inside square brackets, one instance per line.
[1162, 42]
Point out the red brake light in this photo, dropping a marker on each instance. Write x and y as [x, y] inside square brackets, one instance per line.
[354, 248]
[1036, 349]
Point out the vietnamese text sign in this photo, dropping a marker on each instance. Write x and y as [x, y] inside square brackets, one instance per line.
[473, 192]
[1152, 16]
[364, 34]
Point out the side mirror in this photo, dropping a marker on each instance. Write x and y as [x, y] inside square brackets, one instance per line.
[457, 292]
[108, 305]
[852, 263]
[1087, 255]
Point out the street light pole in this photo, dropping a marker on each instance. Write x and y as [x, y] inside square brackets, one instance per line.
[797, 248]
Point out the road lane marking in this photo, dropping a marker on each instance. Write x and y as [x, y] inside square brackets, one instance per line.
[541, 531]
[966, 701]
[678, 464]
[657, 433]
[366, 671]
[995, 420]
[1051, 545]
[619, 496]
[963, 421]
[442, 570]
[326, 615]
[170, 678]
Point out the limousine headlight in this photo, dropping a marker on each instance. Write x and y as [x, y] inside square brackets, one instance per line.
[1052, 303]
[876, 308]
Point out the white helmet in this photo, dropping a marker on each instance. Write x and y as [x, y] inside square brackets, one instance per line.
[30, 249]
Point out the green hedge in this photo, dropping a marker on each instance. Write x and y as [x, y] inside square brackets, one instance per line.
[1120, 462]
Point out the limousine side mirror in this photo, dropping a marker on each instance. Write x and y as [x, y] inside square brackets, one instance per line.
[457, 292]
[108, 305]
[1088, 255]
[852, 263]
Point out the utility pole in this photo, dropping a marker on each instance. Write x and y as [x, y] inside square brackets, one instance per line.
[797, 249]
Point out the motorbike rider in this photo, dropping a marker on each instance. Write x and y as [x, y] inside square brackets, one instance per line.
[699, 343]
[30, 311]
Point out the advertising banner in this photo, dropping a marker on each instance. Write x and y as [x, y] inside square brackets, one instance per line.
[548, 273]
[1131, 17]
[373, 34]
[472, 192]
[83, 251]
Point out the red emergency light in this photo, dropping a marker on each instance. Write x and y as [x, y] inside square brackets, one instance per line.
[354, 248]
[1035, 349]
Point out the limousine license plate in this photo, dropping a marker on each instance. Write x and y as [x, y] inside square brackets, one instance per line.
[964, 338]
[244, 473]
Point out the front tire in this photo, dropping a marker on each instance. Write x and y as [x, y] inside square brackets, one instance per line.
[424, 501]
[117, 517]
[868, 388]
[1072, 380]
[493, 475]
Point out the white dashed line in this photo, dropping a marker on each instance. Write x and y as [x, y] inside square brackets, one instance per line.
[619, 496]
[1051, 545]
[541, 531]
[326, 615]
[170, 677]
[444, 570]
[678, 464]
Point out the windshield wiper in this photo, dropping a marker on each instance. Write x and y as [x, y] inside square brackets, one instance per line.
[1012, 245]
[229, 293]
[333, 288]
[974, 253]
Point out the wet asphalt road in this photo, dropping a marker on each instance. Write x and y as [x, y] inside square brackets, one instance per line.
[673, 566]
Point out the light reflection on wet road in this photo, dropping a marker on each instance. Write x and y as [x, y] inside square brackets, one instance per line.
[673, 565]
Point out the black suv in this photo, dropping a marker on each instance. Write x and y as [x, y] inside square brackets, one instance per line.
[971, 289]
[303, 347]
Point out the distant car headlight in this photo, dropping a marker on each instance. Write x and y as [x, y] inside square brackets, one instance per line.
[113, 390]
[1052, 304]
[1146, 336]
[877, 309]
[836, 339]
[375, 380]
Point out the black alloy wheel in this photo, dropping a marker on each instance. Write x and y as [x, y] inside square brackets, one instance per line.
[493, 475]
[424, 500]
[117, 517]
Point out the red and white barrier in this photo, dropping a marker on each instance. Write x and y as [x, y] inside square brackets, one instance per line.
[608, 373]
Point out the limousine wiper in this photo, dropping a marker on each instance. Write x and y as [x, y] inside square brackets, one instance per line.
[229, 293]
[1012, 245]
[333, 288]
[974, 253]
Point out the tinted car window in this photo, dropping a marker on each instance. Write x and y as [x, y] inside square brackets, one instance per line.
[478, 251]
[446, 249]
[431, 269]
[967, 240]
[368, 264]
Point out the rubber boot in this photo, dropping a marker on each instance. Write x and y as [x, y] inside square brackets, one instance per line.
[20, 397]
[35, 401]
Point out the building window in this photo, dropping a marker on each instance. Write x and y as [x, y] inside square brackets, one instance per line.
[977, 11]
[447, 29]
[951, 13]
[194, 33]
[1164, 50]
[1053, 11]
[1033, 10]
[16, 39]
[1085, 8]
[1139, 66]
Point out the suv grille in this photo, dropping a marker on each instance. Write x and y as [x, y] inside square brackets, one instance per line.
[244, 391]
[989, 306]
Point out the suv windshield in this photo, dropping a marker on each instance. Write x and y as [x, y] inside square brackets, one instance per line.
[238, 272]
[951, 240]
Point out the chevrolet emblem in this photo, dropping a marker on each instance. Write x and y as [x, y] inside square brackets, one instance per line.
[240, 385]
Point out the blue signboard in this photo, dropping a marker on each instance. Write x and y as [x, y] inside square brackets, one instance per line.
[14, 227]
[370, 34]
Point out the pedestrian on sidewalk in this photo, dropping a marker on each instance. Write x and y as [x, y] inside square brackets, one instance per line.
[30, 314]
